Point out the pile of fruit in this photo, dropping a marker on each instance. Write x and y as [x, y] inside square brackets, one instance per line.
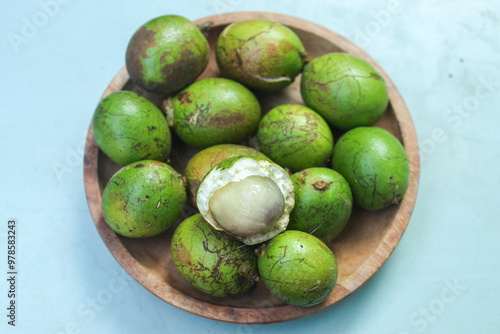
[267, 212]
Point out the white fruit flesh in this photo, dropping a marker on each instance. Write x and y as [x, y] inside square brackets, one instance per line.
[250, 206]
[250, 200]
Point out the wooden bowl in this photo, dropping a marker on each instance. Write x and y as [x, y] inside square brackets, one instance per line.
[361, 249]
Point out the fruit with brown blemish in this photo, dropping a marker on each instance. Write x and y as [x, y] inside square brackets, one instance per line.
[375, 165]
[128, 128]
[323, 203]
[249, 198]
[213, 111]
[212, 261]
[346, 90]
[261, 54]
[298, 268]
[166, 54]
[202, 162]
[143, 199]
[295, 137]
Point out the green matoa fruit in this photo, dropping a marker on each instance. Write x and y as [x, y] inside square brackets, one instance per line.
[344, 89]
[375, 164]
[298, 268]
[249, 198]
[128, 128]
[212, 261]
[260, 54]
[295, 137]
[166, 54]
[202, 162]
[213, 111]
[143, 199]
[323, 203]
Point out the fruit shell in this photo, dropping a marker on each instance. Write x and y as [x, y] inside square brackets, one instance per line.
[214, 111]
[202, 162]
[166, 54]
[298, 268]
[128, 128]
[212, 261]
[143, 199]
[323, 203]
[295, 137]
[345, 90]
[375, 164]
[261, 54]
[236, 169]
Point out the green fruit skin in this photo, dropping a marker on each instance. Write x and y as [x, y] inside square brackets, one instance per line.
[295, 137]
[347, 91]
[166, 54]
[143, 199]
[202, 162]
[298, 268]
[260, 54]
[215, 111]
[323, 203]
[211, 261]
[375, 164]
[128, 128]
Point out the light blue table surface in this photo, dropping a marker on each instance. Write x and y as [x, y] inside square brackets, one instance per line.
[58, 56]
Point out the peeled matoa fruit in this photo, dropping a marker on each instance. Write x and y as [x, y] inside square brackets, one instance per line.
[260, 54]
[202, 162]
[143, 199]
[128, 128]
[212, 261]
[298, 268]
[213, 111]
[249, 198]
[166, 54]
[375, 164]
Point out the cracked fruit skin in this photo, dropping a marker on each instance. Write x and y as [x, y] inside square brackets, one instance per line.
[298, 268]
[375, 164]
[166, 54]
[260, 54]
[249, 198]
[323, 203]
[295, 137]
[128, 128]
[143, 199]
[214, 111]
[202, 162]
[212, 261]
[344, 89]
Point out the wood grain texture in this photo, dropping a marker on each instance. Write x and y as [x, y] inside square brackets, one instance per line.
[361, 249]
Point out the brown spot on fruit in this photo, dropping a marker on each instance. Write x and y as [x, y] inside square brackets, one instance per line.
[184, 98]
[225, 118]
[137, 49]
[376, 76]
[321, 185]
[183, 254]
